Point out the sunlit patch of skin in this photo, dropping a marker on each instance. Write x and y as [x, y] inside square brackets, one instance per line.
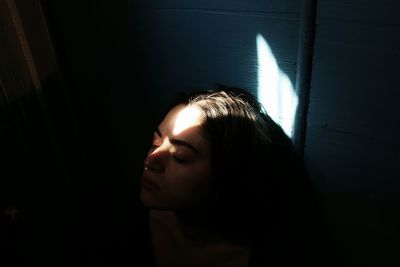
[187, 118]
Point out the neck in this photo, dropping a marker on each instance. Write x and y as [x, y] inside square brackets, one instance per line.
[194, 227]
[175, 233]
[197, 226]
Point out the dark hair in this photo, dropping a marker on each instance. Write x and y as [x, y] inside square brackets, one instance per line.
[262, 194]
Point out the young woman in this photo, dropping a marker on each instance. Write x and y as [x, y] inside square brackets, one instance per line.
[224, 187]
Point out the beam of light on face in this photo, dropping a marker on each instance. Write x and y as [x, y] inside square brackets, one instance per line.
[275, 90]
[187, 118]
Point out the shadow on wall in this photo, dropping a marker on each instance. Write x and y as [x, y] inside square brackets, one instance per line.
[275, 90]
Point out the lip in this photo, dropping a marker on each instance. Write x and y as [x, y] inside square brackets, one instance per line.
[148, 184]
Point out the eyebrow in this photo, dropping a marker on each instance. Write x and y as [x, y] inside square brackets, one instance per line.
[179, 142]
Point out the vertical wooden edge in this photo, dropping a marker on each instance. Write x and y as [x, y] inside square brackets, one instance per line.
[36, 80]
[304, 71]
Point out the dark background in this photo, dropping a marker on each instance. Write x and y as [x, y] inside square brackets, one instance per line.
[84, 82]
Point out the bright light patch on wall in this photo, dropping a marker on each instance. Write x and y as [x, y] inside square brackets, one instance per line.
[275, 90]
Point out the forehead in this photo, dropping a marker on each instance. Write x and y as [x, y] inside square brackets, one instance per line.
[185, 123]
[182, 118]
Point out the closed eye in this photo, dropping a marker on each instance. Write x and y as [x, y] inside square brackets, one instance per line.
[181, 161]
[177, 141]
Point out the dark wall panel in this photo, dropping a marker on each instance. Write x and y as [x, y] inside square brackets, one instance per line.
[199, 43]
[352, 143]
[199, 49]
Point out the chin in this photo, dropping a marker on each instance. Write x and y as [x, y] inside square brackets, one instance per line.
[151, 202]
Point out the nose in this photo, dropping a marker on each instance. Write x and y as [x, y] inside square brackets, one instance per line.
[155, 161]
[153, 165]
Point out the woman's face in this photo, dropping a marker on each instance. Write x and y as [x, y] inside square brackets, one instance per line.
[177, 173]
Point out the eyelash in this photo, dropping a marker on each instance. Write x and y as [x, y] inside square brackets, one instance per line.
[181, 161]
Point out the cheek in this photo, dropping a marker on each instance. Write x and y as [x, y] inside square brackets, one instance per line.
[191, 176]
[190, 186]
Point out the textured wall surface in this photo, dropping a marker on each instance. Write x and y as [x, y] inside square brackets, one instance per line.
[352, 143]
